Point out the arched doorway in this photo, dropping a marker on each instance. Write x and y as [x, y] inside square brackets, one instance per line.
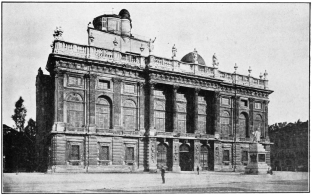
[204, 157]
[161, 155]
[186, 162]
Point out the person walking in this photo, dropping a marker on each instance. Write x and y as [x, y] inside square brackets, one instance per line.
[163, 174]
[197, 170]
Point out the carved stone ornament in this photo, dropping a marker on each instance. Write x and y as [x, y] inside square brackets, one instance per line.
[195, 56]
[174, 51]
[215, 61]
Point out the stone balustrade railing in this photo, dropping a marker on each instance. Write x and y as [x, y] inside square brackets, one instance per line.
[95, 53]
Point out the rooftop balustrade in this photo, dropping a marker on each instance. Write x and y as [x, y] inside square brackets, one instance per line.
[155, 62]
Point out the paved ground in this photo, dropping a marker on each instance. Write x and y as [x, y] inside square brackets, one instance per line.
[185, 182]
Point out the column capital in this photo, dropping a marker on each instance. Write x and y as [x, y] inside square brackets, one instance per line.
[141, 84]
[58, 72]
[251, 99]
[236, 97]
[217, 94]
[117, 80]
[197, 90]
[175, 87]
[266, 102]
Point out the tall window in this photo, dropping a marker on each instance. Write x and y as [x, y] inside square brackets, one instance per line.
[181, 108]
[75, 110]
[161, 155]
[160, 115]
[104, 23]
[103, 113]
[225, 123]
[75, 154]
[129, 115]
[226, 155]
[243, 124]
[259, 124]
[129, 154]
[244, 156]
[202, 127]
[204, 157]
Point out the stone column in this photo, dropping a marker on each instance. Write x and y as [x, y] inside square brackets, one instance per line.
[152, 160]
[197, 146]
[266, 126]
[236, 116]
[251, 115]
[196, 91]
[141, 96]
[217, 101]
[117, 104]
[58, 100]
[175, 155]
[151, 127]
[174, 108]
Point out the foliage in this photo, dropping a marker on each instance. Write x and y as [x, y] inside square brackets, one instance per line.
[278, 126]
[19, 114]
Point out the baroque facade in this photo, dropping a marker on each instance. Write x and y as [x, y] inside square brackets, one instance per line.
[113, 105]
[290, 151]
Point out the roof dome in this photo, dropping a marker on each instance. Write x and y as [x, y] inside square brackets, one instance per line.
[124, 14]
[189, 58]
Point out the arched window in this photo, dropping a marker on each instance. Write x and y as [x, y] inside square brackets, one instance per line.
[243, 124]
[161, 155]
[259, 124]
[129, 115]
[75, 110]
[225, 123]
[204, 157]
[103, 113]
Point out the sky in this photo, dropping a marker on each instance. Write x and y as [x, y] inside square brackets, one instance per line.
[264, 36]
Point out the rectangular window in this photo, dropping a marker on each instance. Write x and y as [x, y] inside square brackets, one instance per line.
[102, 84]
[74, 153]
[104, 153]
[261, 157]
[160, 120]
[225, 101]
[129, 88]
[257, 105]
[202, 124]
[75, 114]
[182, 123]
[129, 119]
[76, 81]
[226, 155]
[104, 23]
[244, 103]
[244, 156]
[129, 153]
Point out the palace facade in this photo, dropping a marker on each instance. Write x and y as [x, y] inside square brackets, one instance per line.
[113, 105]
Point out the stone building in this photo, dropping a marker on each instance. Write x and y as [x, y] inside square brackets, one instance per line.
[290, 151]
[113, 105]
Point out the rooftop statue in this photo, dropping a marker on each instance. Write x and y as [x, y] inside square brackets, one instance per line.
[151, 45]
[174, 51]
[58, 32]
[215, 60]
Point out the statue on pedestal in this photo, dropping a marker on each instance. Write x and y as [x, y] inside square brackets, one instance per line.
[174, 51]
[195, 56]
[58, 32]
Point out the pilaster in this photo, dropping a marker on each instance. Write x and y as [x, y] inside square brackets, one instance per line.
[141, 97]
[236, 116]
[174, 109]
[176, 156]
[251, 115]
[117, 103]
[217, 101]
[152, 160]
[59, 95]
[266, 126]
[196, 91]
[197, 146]
[151, 127]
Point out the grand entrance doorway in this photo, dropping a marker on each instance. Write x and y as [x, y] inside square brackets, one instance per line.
[161, 156]
[204, 157]
[186, 160]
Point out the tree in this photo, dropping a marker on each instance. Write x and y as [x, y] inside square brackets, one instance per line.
[19, 114]
[29, 145]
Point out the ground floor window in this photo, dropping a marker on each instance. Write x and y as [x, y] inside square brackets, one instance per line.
[129, 153]
[104, 153]
[161, 155]
[226, 155]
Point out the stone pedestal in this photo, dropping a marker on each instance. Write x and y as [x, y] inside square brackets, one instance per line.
[256, 163]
